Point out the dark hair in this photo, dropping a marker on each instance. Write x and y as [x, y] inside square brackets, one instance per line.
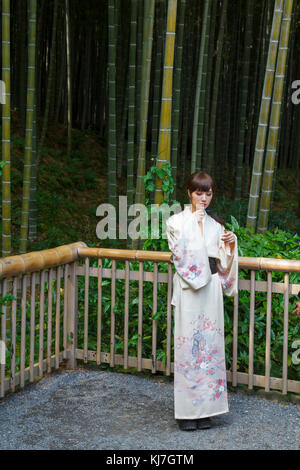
[201, 181]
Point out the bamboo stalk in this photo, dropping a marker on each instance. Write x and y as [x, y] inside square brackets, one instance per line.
[264, 115]
[111, 73]
[176, 104]
[69, 91]
[164, 138]
[32, 7]
[274, 126]
[6, 130]
[131, 104]
[144, 100]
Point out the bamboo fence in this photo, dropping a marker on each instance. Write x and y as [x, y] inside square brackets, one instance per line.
[40, 327]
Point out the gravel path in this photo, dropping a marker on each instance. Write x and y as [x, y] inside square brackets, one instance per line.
[88, 409]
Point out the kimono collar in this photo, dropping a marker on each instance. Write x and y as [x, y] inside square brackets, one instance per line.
[188, 210]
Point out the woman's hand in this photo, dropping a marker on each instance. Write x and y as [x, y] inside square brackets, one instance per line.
[228, 237]
[200, 212]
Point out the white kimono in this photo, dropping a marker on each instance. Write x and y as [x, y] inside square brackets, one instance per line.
[200, 387]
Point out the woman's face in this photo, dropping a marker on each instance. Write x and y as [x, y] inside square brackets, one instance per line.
[200, 198]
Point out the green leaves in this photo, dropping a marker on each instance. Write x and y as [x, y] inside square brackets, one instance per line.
[235, 224]
[2, 163]
[5, 299]
[164, 173]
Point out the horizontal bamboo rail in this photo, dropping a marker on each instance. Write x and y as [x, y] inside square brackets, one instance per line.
[39, 260]
[139, 255]
[268, 264]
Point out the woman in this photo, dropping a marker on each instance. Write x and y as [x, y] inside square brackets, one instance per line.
[206, 261]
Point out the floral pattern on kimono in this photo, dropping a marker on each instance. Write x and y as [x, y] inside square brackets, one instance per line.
[200, 364]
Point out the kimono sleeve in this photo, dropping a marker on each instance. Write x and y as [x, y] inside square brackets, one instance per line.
[228, 266]
[189, 252]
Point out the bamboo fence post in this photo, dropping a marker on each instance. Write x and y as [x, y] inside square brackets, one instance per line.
[3, 339]
[268, 333]
[23, 330]
[86, 309]
[57, 316]
[66, 273]
[41, 327]
[112, 313]
[72, 317]
[235, 339]
[126, 322]
[251, 330]
[13, 335]
[169, 319]
[285, 335]
[99, 312]
[49, 330]
[140, 315]
[154, 322]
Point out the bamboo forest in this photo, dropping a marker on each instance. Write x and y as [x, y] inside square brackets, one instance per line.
[122, 120]
[91, 86]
